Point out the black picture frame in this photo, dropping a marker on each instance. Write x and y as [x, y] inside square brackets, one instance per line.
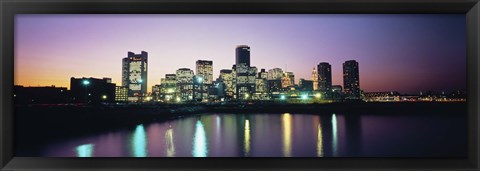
[8, 8]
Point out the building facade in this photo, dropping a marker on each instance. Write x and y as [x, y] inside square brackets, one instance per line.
[315, 78]
[121, 94]
[351, 80]
[184, 85]
[324, 76]
[275, 74]
[245, 74]
[134, 75]
[227, 77]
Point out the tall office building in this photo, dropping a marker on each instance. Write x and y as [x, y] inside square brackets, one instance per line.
[242, 55]
[275, 74]
[226, 75]
[291, 76]
[324, 76]
[245, 74]
[351, 79]
[184, 84]
[315, 78]
[286, 80]
[205, 70]
[134, 74]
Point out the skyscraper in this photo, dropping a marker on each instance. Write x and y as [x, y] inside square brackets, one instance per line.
[242, 55]
[204, 69]
[324, 76]
[184, 84]
[351, 79]
[315, 78]
[134, 74]
[245, 74]
[275, 74]
[227, 76]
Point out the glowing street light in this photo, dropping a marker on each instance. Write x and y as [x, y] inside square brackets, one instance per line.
[318, 95]
[104, 97]
[199, 79]
[86, 82]
[140, 81]
[304, 96]
[282, 97]
[246, 95]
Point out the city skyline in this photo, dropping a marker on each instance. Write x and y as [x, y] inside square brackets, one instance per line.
[429, 71]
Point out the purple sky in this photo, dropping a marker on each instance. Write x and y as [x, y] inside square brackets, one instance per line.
[406, 53]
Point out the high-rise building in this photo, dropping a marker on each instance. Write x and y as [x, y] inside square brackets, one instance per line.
[205, 70]
[184, 84]
[92, 90]
[275, 74]
[315, 78]
[242, 55]
[351, 80]
[245, 74]
[226, 75]
[134, 75]
[291, 76]
[167, 88]
[324, 76]
[286, 80]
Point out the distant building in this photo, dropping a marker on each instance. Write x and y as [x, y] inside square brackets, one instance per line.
[168, 88]
[205, 70]
[40, 95]
[275, 74]
[351, 80]
[157, 89]
[184, 84]
[121, 94]
[391, 96]
[263, 74]
[227, 77]
[245, 74]
[324, 76]
[92, 90]
[286, 80]
[291, 76]
[134, 75]
[305, 85]
[315, 78]
[242, 55]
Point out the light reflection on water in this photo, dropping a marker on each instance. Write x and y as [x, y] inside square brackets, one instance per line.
[335, 135]
[139, 142]
[247, 138]
[275, 135]
[287, 134]
[169, 143]
[319, 141]
[200, 141]
[85, 150]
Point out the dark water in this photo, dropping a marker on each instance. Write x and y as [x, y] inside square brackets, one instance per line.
[278, 135]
